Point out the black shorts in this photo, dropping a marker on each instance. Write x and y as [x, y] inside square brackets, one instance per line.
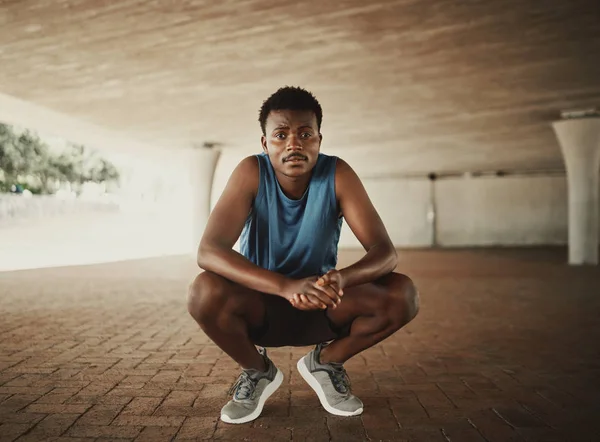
[285, 325]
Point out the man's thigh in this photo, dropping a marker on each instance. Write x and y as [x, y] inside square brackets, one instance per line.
[271, 320]
[230, 297]
[367, 299]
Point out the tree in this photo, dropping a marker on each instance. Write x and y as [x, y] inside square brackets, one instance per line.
[9, 155]
[24, 156]
[37, 161]
[102, 170]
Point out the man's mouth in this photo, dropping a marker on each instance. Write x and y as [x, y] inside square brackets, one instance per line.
[294, 158]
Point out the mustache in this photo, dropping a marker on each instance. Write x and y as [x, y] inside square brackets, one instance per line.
[295, 155]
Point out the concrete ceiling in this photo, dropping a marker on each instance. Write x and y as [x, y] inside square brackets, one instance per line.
[422, 85]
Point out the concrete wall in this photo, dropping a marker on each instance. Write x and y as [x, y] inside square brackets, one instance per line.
[513, 210]
[403, 207]
[471, 212]
[528, 210]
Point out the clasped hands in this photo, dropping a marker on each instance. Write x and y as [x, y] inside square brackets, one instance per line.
[315, 293]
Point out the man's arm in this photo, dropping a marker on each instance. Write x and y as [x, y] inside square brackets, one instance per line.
[224, 227]
[365, 223]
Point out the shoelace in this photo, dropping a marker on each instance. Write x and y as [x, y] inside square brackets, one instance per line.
[340, 379]
[244, 387]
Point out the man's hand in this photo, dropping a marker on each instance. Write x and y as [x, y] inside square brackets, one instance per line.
[334, 279]
[306, 294]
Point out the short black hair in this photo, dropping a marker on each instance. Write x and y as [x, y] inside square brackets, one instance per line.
[290, 98]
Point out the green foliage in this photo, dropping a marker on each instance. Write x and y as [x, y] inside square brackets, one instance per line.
[24, 156]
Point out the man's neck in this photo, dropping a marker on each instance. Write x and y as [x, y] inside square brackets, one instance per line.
[294, 187]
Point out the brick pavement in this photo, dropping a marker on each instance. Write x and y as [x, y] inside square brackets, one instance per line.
[505, 349]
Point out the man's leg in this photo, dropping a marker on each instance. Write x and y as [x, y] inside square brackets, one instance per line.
[225, 311]
[374, 312]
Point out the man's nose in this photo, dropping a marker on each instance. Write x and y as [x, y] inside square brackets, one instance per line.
[294, 143]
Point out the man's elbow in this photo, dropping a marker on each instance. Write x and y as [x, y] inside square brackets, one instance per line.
[203, 257]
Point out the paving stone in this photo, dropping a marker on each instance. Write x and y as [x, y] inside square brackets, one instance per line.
[120, 358]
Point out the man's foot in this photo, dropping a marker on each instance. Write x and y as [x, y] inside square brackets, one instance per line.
[331, 383]
[250, 392]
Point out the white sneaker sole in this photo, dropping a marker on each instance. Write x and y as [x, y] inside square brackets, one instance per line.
[267, 392]
[314, 384]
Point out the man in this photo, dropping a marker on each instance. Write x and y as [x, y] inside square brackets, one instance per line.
[287, 206]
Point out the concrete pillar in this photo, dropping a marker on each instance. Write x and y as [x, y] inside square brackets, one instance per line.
[203, 163]
[432, 211]
[579, 140]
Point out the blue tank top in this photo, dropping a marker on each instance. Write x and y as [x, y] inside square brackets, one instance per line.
[296, 238]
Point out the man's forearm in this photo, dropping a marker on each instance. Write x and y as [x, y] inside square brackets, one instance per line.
[379, 261]
[235, 267]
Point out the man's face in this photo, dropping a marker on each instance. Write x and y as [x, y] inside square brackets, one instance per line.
[292, 141]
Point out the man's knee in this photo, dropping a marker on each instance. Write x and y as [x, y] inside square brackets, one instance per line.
[403, 301]
[206, 296]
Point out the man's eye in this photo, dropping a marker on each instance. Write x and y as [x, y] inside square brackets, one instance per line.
[305, 135]
[280, 135]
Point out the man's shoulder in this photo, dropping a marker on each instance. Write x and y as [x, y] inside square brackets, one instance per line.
[246, 174]
[248, 164]
[345, 177]
[341, 166]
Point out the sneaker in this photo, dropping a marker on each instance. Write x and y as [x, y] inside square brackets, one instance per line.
[331, 383]
[250, 393]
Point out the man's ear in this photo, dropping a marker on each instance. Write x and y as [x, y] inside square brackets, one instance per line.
[263, 142]
[320, 138]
